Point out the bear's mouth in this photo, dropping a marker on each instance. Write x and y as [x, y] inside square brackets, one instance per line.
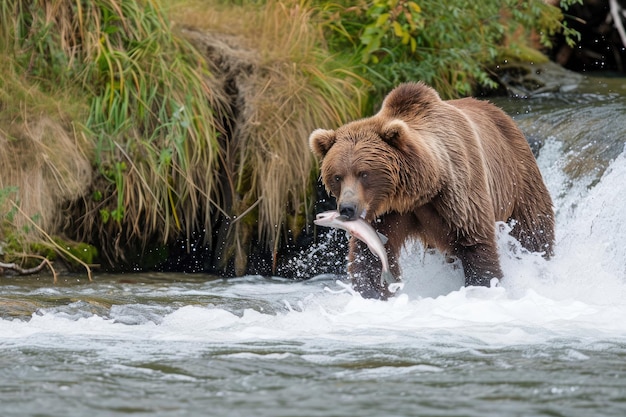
[344, 218]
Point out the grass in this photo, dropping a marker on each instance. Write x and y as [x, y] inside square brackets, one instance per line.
[148, 146]
[150, 120]
[292, 85]
[44, 157]
[154, 120]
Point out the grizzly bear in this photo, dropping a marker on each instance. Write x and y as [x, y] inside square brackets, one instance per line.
[440, 171]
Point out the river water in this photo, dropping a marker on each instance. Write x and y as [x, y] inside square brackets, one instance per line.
[549, 341]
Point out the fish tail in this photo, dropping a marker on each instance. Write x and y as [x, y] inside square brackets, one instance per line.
[387, 277]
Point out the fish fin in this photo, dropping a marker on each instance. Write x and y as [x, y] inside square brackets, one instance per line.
[387, 277]
[383, 238]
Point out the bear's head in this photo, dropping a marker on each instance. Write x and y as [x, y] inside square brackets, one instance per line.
[368, 165]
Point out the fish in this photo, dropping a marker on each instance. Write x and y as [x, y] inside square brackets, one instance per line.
[363, 231]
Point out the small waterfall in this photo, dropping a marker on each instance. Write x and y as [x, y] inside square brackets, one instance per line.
[579, 137]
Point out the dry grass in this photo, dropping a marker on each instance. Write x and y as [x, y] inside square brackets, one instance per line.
[151, 122]
[44, 160]
[286, 85]
[152, 113]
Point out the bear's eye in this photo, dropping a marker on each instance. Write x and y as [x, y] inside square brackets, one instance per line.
[363, 175]
[337, 178]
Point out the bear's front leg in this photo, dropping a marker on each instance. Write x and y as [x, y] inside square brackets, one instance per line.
[365, 271]
[480, 264]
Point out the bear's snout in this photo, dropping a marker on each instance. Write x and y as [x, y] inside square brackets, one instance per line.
[348, 210]
[348, 203]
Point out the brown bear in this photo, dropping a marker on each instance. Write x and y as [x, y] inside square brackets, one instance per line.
[441, 171]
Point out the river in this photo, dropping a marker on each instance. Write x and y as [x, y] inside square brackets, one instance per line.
[549, 341]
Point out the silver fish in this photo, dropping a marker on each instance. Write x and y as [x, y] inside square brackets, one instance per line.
[363, 231]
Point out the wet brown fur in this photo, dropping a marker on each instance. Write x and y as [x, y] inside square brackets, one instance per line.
[440, 171]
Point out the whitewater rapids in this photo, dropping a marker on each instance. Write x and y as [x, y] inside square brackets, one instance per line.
[549, 340]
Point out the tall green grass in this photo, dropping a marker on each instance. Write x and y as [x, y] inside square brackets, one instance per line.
[154, 118]
[152, 113]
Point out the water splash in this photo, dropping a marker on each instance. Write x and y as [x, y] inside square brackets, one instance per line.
[589, 261]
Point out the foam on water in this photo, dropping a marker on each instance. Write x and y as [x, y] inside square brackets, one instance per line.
[577, 296]
[469, 317]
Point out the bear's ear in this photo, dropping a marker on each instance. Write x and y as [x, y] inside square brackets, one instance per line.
[321, 140]
[395, 133]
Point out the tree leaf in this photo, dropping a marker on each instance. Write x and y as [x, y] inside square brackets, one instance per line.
[382, 19]
[398, 30]
[414, 7]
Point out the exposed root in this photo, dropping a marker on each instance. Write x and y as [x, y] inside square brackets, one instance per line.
[54, 244]
[17, 269]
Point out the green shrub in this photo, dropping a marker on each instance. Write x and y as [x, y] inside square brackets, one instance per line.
[447, 44]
